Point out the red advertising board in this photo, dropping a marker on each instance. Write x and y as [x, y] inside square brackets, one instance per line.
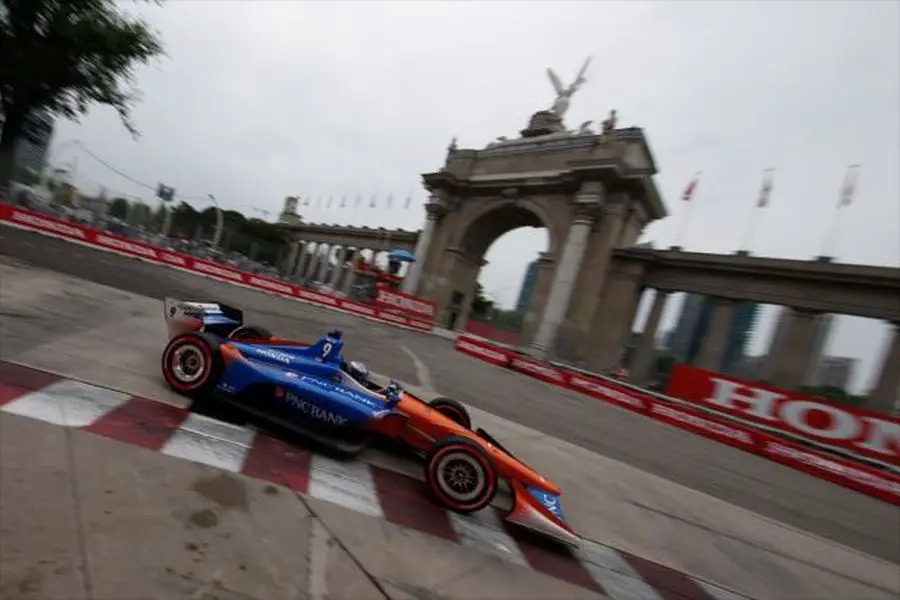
[860, 431]
[396, 301]
[851, 474]
[101, 239]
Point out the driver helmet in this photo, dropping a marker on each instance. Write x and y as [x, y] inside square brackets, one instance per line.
[359, 370]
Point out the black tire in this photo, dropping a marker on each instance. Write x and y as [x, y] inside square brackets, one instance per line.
[249, 333]
[453, 410]
[454, 464]
[192, 364]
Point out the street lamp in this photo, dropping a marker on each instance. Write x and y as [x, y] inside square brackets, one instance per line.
[220, 221]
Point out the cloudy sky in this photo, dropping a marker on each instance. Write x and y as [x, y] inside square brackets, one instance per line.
[259, 100]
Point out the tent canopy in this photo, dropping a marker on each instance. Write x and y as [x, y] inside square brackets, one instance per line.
[402, 256]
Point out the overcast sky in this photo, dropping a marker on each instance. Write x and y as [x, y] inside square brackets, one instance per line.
[260, 100]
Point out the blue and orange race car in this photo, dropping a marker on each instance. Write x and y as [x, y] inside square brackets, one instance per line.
[311, 389]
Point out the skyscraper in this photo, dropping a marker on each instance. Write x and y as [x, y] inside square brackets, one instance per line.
[690, 333]
[683, 333]
[31, 149]
[745, 317]
[820, 338]
[525, 293]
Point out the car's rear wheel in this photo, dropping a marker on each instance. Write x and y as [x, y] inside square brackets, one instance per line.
[191, 363]
[453, 410]
[460, 475]
[246, 333]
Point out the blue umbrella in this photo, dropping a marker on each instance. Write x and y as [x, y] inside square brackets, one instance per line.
[402, 255]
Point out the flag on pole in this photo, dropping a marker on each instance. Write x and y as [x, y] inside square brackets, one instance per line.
[390, 198]
[358, 200]
[691, 187]
[408, 202]
[372, 201]
[343, 201]
[848, 189]
[306, 201]
[330, 199]
[766, 190]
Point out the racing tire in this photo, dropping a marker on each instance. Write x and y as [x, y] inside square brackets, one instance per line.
[191, 363]
[453, 410]
[460, 475]
[250, 333]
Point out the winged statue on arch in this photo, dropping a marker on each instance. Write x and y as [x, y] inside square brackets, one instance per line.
[564, 94]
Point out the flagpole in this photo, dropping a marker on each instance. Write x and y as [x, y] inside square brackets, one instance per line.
[687, 196]
[751, 228]
[761, 202]
[848, 188]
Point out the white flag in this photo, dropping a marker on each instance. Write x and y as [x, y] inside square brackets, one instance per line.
[848, 189]
[766, 190]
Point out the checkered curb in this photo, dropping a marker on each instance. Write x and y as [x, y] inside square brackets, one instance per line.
[368, 489]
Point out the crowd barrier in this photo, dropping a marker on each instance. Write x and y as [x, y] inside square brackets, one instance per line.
[393, 308]
[875, 482]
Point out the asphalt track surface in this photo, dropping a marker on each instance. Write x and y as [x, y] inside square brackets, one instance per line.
[736, 477]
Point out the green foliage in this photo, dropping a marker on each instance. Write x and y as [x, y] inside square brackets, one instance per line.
[118, 208]
[64, 56]
[480, 303]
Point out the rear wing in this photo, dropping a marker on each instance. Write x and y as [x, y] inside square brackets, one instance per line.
[182, 316]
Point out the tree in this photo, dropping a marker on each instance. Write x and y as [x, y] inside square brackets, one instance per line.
[480, 303]
[62, 56]
[118, 208]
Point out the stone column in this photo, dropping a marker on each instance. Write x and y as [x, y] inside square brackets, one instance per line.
[302, 254]
[313, 262]
[793, 361]
[566, 274]
[886, 394]
[410, 283]
[324, 263]
[645, 351]
[614, 319]
[595, 269]
[713, 351]
[340, 257]
[291, 263]
[350, 277]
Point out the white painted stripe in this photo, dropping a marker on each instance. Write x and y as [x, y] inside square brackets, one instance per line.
[348, 484]
[718, 593]
[618, 579]
[211, 442]
[483, 531]
[67, 403]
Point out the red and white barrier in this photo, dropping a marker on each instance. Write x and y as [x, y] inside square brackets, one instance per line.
[864, 432]
[858, 476]
[391, 311]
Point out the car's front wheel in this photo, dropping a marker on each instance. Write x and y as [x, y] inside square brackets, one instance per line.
[248, 333]
[460, 475]
[191, 363]
[453, 410]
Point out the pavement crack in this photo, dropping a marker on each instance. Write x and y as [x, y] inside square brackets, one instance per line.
[353, 558]
[87, 579]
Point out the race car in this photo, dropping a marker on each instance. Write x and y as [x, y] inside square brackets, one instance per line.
[311, 389]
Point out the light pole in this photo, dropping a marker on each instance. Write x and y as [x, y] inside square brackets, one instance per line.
[220, 221]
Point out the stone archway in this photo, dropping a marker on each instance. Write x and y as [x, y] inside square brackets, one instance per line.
[468, 240]
[593, 192]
